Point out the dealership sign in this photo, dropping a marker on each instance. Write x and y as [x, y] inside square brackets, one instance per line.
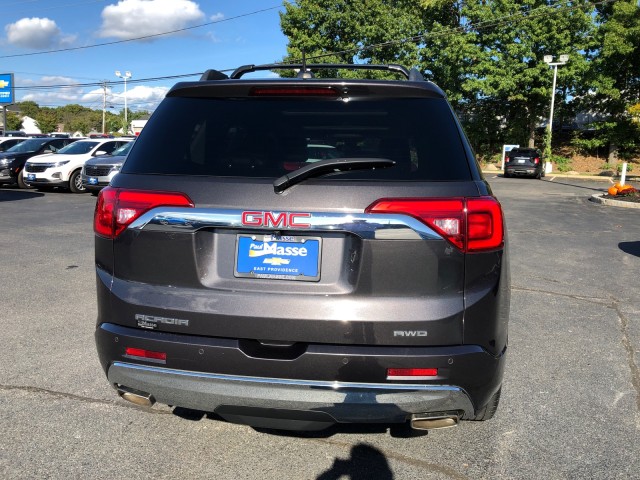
[6, 88]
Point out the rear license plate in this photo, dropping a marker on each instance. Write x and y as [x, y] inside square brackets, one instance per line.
[521, 160]
[278, 257]
[93, 181]
[31, 177]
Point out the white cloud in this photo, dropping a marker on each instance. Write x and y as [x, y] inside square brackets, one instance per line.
[37, 33]
[217, 17]
[138, 18]
[139, 98]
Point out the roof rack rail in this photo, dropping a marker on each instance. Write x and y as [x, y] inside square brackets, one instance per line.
[412, 75]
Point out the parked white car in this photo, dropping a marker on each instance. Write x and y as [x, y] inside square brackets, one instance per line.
[63, 168]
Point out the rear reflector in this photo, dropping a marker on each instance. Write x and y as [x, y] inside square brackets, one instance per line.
[293, 91]
[471, 224]
[117, 208]
[411, 373]
[139, 352]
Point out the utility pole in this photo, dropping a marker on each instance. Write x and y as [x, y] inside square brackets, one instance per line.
[104, 104]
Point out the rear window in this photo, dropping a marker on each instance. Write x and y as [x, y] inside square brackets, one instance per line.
[252, 137]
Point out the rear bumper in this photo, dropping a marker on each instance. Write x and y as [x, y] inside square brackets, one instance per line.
[522, 170]
[344, 383]
[341, 402]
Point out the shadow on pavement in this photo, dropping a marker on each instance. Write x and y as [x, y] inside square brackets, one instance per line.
[365, 463]
[13, 195]
[632, 248]
[566, 183]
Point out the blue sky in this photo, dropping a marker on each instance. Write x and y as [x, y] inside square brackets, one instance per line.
[33, 26]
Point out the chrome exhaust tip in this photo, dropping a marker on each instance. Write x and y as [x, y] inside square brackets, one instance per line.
[431, 422]
[137, 397]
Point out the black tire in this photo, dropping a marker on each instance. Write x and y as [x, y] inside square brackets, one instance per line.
[21, 182]
[539, 175]
[75, 183]
[506, 175]
[488, 411]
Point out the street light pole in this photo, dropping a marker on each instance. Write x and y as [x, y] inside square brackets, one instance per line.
[126, 75]
[548, 59]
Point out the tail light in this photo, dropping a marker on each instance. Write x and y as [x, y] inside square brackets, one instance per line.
[302, 91]
[117, 208]
[471, 224]
[536, 160]
[507, 159]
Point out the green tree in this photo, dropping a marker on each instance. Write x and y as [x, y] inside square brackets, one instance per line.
[336, 32]
[14, 121]
[513, 37]
[47, 120]
[29, 108]
[78, 125]
[613, 82]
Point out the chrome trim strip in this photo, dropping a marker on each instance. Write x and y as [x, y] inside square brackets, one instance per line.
[364, 225]
[317, 384]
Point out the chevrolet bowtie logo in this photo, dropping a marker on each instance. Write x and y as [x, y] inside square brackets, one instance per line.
[4, 84]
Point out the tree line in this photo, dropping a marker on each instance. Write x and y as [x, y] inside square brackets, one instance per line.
[488, 56]
[72, 117]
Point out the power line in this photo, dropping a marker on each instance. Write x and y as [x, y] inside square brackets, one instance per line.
[145, 37]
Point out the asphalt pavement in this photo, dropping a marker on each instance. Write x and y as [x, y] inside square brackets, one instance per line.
[571, 397]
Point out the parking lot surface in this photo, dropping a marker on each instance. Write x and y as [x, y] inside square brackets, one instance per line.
[571, 398]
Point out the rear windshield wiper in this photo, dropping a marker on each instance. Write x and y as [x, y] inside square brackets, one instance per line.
[331, 165]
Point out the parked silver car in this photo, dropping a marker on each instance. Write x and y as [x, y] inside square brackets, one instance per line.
[98, 172]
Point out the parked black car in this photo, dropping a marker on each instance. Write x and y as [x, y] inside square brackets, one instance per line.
[7, 142]
[12, 161]
[237, 275]
[524, 161]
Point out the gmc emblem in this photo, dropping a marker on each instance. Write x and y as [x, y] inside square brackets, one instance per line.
[275, 220]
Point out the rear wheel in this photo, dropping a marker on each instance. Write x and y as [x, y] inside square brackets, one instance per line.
[75, 183]
[21, 182]
[506, 174]
[489, 410]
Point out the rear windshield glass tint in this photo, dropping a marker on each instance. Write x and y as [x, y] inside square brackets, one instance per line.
[271, 137]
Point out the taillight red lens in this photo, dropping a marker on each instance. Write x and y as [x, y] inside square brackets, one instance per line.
[139, 352]
[536, 160]
[117, 208]
[485, 226]
[411, 373]
[471, 224]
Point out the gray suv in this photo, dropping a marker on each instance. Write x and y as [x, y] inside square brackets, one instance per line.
[241, 274]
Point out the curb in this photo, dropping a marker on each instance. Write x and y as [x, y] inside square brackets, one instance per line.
[597, 198]
[601, 178]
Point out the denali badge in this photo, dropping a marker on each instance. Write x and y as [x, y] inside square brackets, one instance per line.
[409, 333]
[151, 322]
